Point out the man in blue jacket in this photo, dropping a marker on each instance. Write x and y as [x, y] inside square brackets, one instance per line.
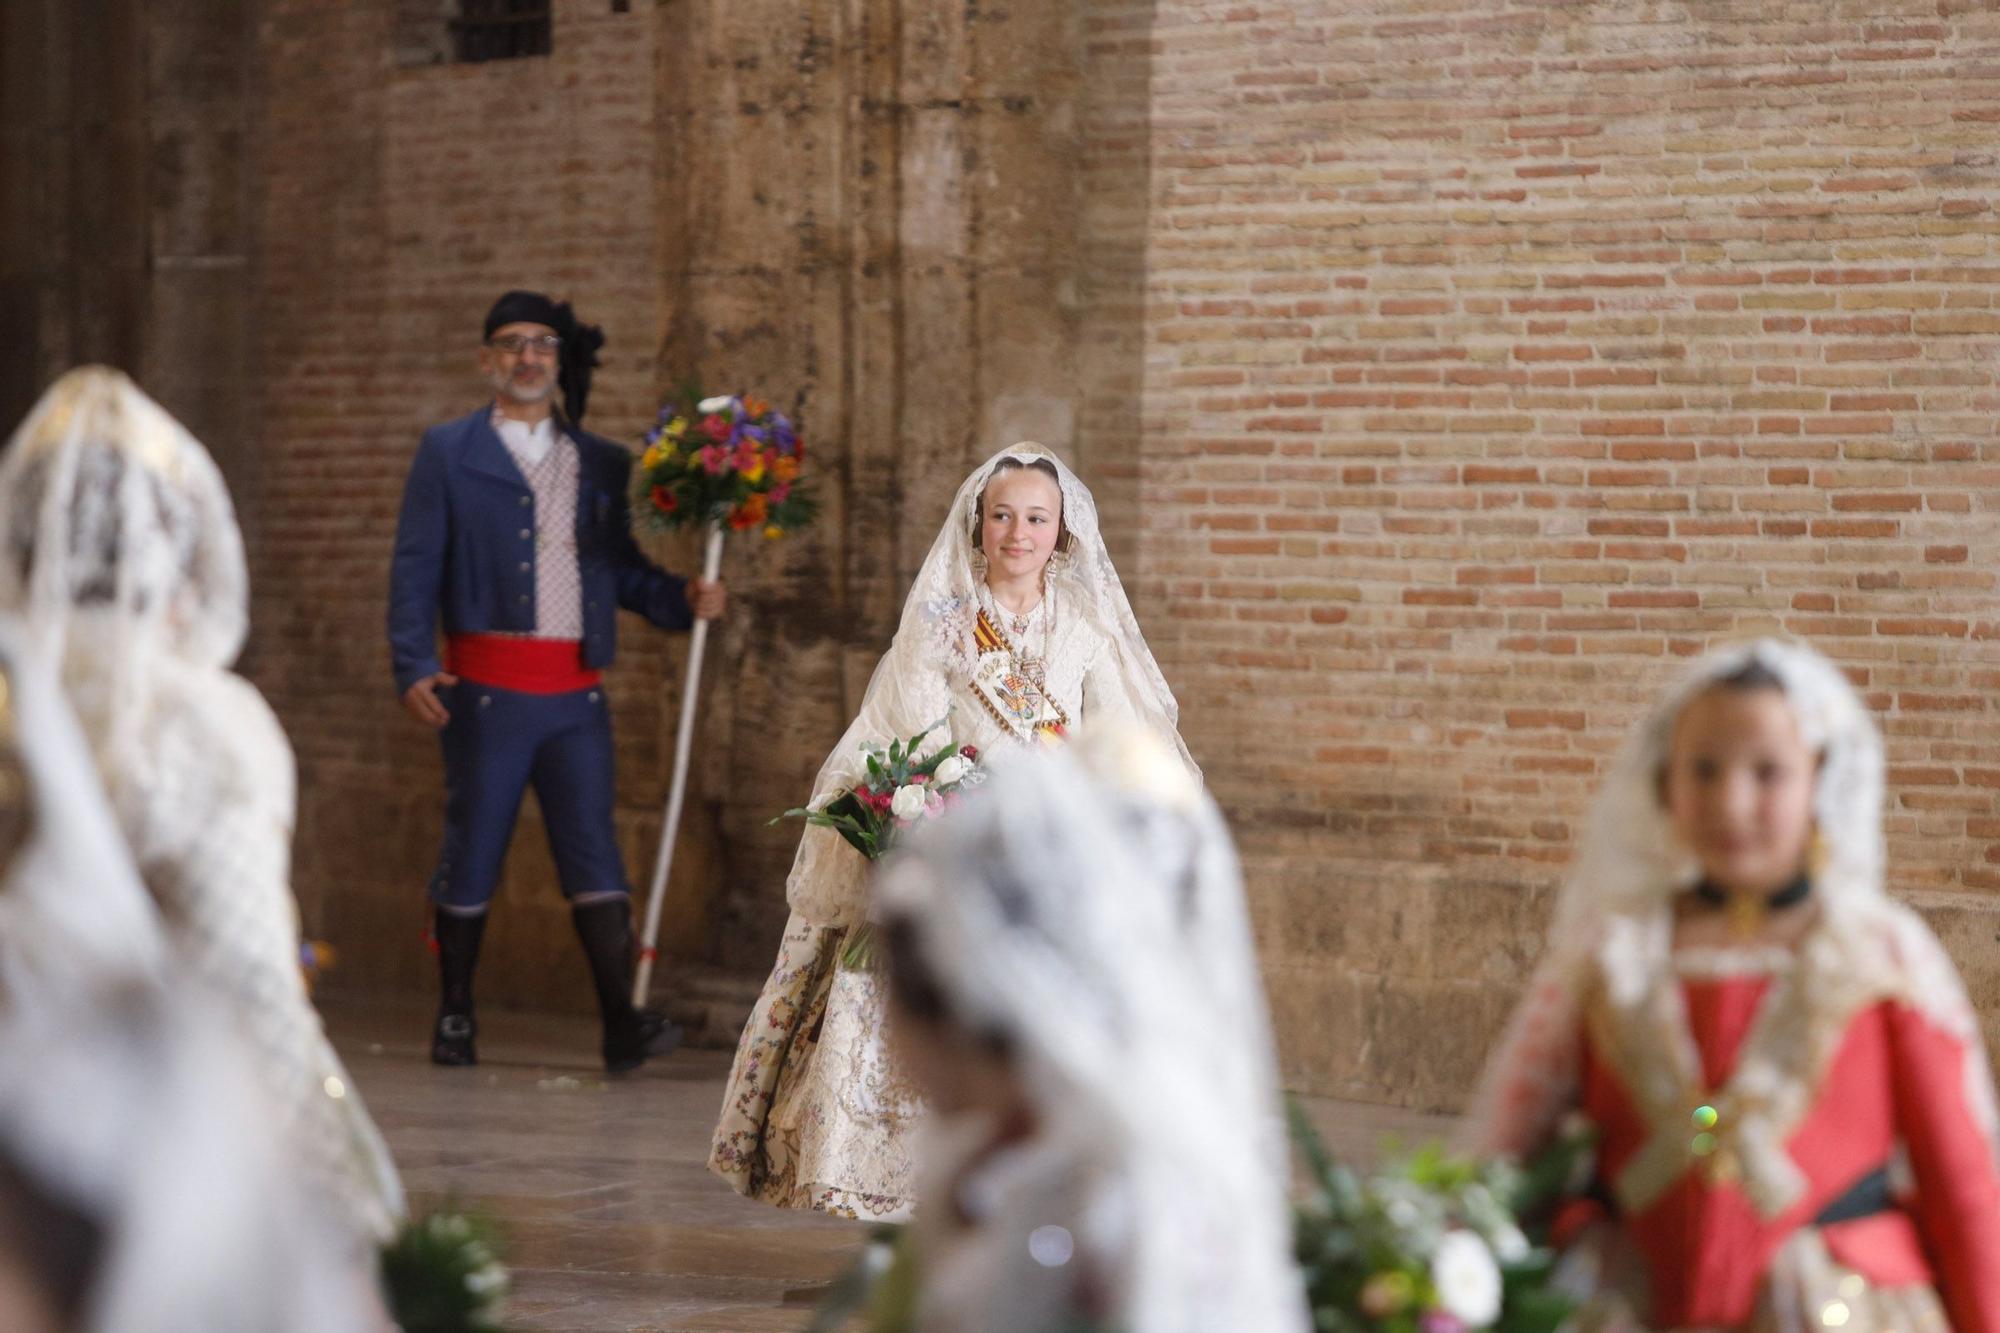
[515, 534]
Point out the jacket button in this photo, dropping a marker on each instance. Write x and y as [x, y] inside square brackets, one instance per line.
[527, 500]
[522, 599]
[525, 566]
[591, 606]
[527, 533]
[593, 696]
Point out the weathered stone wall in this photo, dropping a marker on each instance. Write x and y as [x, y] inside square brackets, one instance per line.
[863, 212]
[126, 227]
[1499, 356]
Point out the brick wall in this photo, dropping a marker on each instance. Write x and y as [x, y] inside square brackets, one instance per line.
[397, 202]
[1497, 357]
[1446, 372]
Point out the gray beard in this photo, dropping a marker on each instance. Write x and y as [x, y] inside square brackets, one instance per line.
[504, 386]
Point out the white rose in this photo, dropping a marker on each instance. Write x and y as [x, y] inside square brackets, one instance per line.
[715, 404]
[1467, 1279]
[950, 770]
[907, 803]
[1510, 1245]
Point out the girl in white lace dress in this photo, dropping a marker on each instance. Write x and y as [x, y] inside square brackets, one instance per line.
[1016, 632]
[120, 553]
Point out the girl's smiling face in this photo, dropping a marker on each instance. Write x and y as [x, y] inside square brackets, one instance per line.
[1020, 521]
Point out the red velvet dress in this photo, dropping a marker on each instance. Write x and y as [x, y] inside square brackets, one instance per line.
[1891, 1089]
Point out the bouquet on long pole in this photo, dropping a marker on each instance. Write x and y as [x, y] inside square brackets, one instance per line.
[722, 464]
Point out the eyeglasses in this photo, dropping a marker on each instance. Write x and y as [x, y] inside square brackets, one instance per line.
[516, 343]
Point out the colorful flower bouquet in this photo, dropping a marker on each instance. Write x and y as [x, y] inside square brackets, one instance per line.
[723, 460]
[905, 785]
[1429, 1243]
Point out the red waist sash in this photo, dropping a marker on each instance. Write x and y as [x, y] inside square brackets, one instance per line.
[532, 666]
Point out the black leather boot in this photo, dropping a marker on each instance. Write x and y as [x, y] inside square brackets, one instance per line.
[631, 1035]
[458, 954]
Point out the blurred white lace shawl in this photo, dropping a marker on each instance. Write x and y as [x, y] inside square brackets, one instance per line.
[1099, 669]
[126, 1097]
[120, 553]
[1089, 907]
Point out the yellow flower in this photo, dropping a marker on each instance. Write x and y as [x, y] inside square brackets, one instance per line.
[773, 532]
[754, 473]
[677, 427]
[652, 458]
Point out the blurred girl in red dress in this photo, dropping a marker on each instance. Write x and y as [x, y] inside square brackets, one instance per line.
[1794, 1112]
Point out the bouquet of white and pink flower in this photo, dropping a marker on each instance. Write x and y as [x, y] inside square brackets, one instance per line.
[905, 785]
[1430, 1243]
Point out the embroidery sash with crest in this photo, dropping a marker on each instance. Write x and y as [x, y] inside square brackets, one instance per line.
[1017, 701]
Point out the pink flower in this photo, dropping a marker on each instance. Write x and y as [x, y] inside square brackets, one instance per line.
[717, 428]
[714, 459]
[970, 752]
[780, 491]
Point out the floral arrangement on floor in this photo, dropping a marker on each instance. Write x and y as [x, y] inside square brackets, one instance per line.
[905, 785]
[441, 1273]
[1428, 1242]
[731, 459]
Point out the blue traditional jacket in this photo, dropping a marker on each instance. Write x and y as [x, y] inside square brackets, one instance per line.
[465, 548]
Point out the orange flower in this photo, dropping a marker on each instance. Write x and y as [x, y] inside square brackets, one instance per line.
[784, 468]
[749, 514]
[754, 407]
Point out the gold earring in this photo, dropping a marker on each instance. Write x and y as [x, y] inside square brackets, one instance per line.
[1818, 854]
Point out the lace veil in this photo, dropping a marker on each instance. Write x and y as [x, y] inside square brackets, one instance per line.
[1613, 918]
[74, 918]
[143, 1115]
[141, 1111]
[118, 543]
[1089, 907]
[911, 687]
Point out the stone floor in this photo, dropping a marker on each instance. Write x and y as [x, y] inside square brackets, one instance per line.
[613, 1224]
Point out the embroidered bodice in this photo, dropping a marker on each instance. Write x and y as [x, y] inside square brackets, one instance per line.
[1754, 1071]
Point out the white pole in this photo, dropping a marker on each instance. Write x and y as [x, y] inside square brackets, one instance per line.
[711, 567]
